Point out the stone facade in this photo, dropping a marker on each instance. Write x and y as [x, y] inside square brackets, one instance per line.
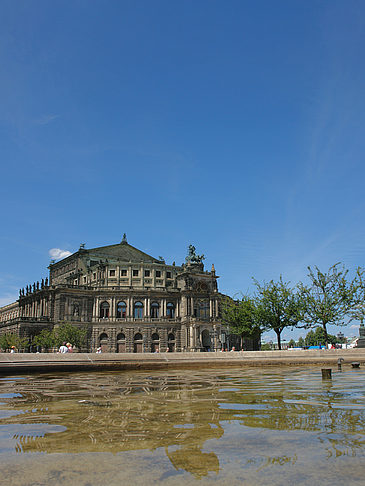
[130, 301]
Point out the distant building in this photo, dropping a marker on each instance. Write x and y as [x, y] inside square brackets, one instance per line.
[131, 301]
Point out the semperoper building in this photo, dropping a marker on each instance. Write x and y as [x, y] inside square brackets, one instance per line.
[130, 301]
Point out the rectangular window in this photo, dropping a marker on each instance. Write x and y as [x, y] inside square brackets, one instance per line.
[158, 273]
[84, 279]
[94, 276]
[147, 273]
[135, 273]
[111, 273]
[123, 273]
[168, 274]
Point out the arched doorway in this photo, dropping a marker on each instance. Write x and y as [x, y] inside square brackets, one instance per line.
[138, 343]
[155, 345]
[104, 344]
[206, 342]
[121, 347]
[171, 342]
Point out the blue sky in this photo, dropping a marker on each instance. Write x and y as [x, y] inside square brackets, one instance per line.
[233, 125]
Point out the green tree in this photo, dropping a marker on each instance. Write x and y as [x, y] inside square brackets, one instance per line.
[292, 343]
[45, 339]
[310, 339]
[280, 306]
[76, 335]
[243, 317]
[301, 342]
[317, 337]
[358, 310]
[266, 347]
[330, 298]
[9, 339]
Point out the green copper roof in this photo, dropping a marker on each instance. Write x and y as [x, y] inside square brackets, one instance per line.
[123, 252]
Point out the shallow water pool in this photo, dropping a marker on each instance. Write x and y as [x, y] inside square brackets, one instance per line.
[250, 426]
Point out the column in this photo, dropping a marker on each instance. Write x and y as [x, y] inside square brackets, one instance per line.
[191, 336]
[183, 308]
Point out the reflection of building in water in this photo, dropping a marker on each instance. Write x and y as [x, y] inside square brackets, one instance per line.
[131, 415]
[131, 301]
[195, 461]
[109, 412]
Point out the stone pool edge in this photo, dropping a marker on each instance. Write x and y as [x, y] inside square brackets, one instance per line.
[51, 362]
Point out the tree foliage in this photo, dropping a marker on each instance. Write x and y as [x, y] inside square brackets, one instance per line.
[243, 317]
[8, 340]
[280, 306]
[330, 298]
[75, 335]
[45, 339]
[318, 337]
[66, 332]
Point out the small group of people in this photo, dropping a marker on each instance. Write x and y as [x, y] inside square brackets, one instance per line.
[232, 350]
[65, 348]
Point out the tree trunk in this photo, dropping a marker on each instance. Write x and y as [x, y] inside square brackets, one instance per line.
[325, 334]
[278, 334]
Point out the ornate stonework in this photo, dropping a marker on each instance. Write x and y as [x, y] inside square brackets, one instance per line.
[131, 301]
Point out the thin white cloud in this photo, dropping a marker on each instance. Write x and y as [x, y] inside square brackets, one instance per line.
[354, 326]
[58, 254]
[8, 298]
[45, 119]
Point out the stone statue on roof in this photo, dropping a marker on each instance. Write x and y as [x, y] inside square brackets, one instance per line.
[192, 257]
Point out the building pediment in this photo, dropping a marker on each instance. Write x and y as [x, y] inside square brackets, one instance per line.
[123, 252]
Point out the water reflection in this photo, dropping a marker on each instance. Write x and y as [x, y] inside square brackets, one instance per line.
[185, 413]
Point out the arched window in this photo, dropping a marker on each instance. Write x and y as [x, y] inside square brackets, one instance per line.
[104, 310]
[138, 310]
[155, 309]
[170, 310]
[155, 337]
[138, 337]
[121, 337]
[202, 309]
[121, 309]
